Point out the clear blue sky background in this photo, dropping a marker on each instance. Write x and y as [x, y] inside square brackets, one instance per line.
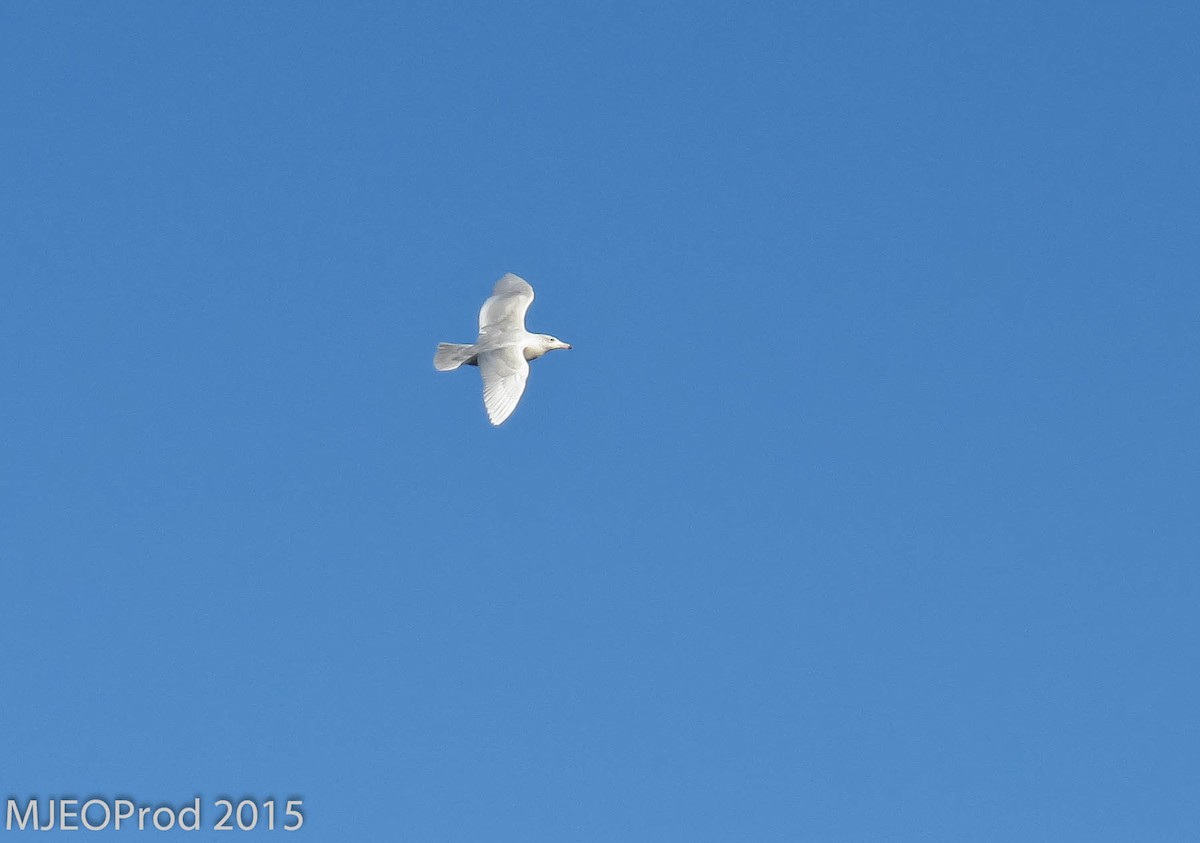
[865, 507]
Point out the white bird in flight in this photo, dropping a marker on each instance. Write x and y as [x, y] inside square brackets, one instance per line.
[504, 347]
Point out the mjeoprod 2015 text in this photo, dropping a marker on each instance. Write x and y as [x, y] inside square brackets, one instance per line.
[98, 813]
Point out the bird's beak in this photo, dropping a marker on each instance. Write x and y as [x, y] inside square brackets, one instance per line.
[567, 346]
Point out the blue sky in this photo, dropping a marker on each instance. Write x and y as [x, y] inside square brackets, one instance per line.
[864, 507]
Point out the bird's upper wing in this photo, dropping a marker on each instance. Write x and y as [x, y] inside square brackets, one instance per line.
[506, 308]
[504, 372]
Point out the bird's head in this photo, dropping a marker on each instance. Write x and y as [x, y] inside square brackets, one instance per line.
[550, 343]
[539, 344]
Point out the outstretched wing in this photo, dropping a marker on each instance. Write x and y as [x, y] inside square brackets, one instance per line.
[504, 372]
[505, 310]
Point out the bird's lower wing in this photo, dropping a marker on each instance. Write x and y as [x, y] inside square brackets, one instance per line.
[504, 372]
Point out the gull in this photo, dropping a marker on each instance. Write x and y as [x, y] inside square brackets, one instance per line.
[504, 347]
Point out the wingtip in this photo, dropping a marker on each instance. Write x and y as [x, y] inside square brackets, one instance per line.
[500, 417]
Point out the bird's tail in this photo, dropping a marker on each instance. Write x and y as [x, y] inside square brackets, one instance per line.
[451, 355]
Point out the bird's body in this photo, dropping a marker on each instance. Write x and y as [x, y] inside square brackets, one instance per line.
[504, 348]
